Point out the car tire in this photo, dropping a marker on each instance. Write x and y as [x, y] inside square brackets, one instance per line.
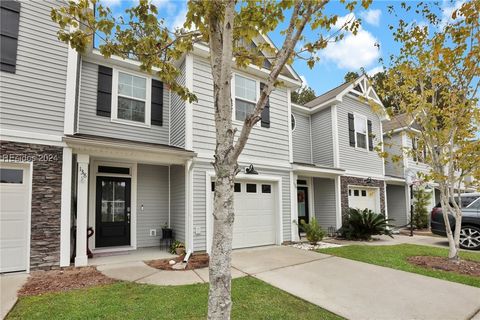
[470, 237]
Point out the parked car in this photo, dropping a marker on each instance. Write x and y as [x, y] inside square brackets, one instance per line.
[470, 231]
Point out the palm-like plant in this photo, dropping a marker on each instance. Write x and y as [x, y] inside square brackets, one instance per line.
[363, 224]
[313, 230]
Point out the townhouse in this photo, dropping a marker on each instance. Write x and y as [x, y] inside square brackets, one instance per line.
[88, 142]
[335, 164]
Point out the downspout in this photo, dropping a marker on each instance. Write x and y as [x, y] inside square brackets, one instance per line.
[189, 207]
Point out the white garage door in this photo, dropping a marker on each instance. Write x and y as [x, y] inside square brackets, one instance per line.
[14, 212]
[363, 198]
[254, 214]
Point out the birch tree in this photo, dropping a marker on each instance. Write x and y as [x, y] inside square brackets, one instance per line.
[227, 27]
[435, 80]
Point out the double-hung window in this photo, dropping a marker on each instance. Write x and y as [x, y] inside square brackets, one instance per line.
[132, 100]
[246, 95]
[361, 131]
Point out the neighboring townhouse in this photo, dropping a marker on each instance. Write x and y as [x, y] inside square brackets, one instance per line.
[34, 89]
[106, 146]
[335, 165]
[399, 135]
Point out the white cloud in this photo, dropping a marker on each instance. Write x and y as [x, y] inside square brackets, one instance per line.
[110, 3]
[179, 19]
[353, 51]
[166, 5]
[372, 16]
[447, 11]
[374, 71]
[304, 82]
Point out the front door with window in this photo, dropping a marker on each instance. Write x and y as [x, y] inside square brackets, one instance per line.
[112, 212]
[302, 200]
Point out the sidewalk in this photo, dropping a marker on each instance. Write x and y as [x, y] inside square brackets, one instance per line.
[9, 286]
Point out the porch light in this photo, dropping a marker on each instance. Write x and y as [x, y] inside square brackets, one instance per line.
[368, 180]
[250, 170]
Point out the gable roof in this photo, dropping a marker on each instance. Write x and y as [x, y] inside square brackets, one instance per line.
[329, 95]
[400, 121]
[359, 87]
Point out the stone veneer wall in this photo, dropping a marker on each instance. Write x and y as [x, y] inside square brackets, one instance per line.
[46, 199]
[346, 181]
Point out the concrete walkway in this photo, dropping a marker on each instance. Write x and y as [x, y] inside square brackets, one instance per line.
[9, 286]
[352, 289]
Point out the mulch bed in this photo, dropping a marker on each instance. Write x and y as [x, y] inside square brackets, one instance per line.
[466, 267]
[66, 279]
[417, 232]
[196, 261]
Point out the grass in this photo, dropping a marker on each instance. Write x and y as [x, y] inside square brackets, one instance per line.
[252, 299]
[395, 257]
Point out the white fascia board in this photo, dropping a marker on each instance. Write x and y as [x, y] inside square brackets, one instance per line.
[337, 100]
[31, 137]
[308, 170]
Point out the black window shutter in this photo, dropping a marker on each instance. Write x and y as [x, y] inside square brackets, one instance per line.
[351, 129]
[370, 135]
[266, 111]
[157, 103]
[104, 91]
[10, 18]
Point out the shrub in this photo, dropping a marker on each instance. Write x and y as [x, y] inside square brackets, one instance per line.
[363, 224]
[313, 230]
[420, 210]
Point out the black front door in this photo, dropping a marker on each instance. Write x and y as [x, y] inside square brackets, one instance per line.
[302, 200]
[112, 226]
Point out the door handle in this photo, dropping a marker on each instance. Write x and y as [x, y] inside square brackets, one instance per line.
[128, 215]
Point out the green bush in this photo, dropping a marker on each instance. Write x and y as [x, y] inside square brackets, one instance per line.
[420, 208]
[313, 230]
[363, 224]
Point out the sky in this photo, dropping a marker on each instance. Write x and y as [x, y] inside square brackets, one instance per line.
[372, 42]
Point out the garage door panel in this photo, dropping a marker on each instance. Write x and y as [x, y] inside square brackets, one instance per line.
[254, 218]
[13, 259]
[14, 210]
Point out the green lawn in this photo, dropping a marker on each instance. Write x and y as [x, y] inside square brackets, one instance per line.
[252, 299]
[396, 257]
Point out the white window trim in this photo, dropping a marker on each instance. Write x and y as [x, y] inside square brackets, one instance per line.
[148, 97]
[234, 97]
[366, 149]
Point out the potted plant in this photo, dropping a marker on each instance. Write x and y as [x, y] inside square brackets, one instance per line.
[177, 247]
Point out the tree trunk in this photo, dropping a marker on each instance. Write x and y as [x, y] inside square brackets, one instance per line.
[220, 302]
[453, 238]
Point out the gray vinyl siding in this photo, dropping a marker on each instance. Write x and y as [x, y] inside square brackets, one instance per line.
[90, 123]
[412, 164]
[396, 205]
[351, 158]
[33, 98]
[177, 201]
[393, 146]
[324, 202]
[199, 202]
[302, 139]
[152, 193]
[265, 143]
[177, 114]
[322, 138]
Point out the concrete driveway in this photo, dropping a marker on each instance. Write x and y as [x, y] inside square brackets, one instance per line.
[356, 290]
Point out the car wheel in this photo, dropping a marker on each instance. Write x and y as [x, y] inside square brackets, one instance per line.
[470, 238]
